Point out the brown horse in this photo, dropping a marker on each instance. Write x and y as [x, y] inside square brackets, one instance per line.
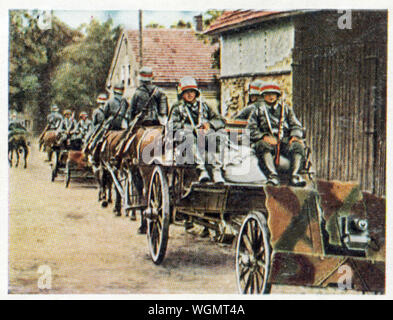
[124, 160]
[49, 142]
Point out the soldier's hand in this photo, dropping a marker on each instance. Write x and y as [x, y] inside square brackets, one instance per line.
[270, 140]
[295, 139]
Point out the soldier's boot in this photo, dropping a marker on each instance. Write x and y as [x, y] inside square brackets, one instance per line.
[217, 176]
[203, 176]
[271, 168]
[296, 179]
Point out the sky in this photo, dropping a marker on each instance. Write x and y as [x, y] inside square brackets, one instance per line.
[128, 18]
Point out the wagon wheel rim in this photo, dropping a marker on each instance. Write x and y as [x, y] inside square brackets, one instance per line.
[158, 220]
[55, 167]
[253, 255]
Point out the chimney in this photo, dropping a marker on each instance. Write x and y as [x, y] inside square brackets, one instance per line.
[198, 23]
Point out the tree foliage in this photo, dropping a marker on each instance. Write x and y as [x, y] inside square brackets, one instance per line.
[33, 54]
[154, 25]
[84, 67]
[181, 24]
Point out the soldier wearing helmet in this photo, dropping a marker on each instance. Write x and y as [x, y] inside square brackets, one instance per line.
[54, 119]
[253, 93]
[115, 108]
[66, 130]
[98, 113]
[264, 124]
[195, 120]
[148, 100]
[83, 127]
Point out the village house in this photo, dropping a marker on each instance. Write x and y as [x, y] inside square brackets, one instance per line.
[332, 67]
[172, 54]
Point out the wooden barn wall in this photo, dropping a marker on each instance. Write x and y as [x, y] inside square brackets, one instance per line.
[339, 93]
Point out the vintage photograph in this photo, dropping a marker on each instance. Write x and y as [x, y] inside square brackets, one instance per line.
[218, 151]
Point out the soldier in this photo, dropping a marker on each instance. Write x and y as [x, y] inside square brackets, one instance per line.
[98, 113]
[113, 114]
[83, 127]
[253, 94]
[274, 127]
[115, 108]
[196, 120]
[67, 127]
[148, 100]
[54, 118]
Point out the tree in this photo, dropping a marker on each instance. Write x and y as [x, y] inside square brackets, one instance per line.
[154, 25]
[84, 66]
[33, 54]
[181, 25]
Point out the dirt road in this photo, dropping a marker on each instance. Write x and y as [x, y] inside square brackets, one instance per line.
[84, 248]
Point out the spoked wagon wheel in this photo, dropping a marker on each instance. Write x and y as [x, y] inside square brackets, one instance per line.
[157, 215]
[55, 167]
[253, 255]
[67, 175]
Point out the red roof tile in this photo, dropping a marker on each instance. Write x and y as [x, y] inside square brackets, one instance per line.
[175, 53]
[232, 18]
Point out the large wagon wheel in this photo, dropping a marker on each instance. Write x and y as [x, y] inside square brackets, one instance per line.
[253, 255]
[67, 175]
[157, 214]
[55, 167]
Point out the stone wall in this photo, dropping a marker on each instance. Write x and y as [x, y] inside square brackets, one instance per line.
[234, 91]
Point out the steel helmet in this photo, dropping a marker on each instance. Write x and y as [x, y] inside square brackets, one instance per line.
[146, 74]
[254, 88]
[119, 88]
[83, 113]
[188, 83]
[270, 87]
[55, 108]
[102, 97]
[67, 111]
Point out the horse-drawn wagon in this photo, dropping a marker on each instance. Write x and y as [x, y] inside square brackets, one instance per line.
[327, 233]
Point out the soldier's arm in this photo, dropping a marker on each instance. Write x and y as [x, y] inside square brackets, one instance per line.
[216, 121]
[254, 127]
[175, 120]
[295, 126]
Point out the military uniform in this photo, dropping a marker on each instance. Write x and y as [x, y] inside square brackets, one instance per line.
[66, 130]
[148, 100]
[253, 92]
[54, 120]
[151, 110]
[111, 108]
[185, 118]
[265, 121]
[83, 129]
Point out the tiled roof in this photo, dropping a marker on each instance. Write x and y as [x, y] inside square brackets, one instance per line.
[233, 18]
[175, 53]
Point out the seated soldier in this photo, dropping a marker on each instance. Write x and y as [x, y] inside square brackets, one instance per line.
[83, 129]
[66, 130]
[54, 118]
[253, 94]
[195, 120]
[274, 125]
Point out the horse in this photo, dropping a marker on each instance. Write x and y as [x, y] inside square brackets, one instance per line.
[49, 142]
[117, 158]
[17, 144]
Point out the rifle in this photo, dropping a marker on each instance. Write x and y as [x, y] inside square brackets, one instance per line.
[280, 132]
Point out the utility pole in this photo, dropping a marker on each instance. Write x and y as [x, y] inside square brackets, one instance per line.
[140, 39]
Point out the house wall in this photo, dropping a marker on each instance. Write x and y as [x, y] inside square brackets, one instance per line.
[262, 52]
